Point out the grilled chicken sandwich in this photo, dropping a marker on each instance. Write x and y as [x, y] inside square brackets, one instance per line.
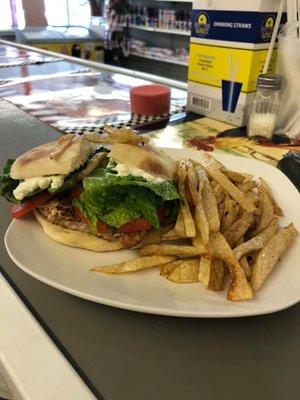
[86, 196]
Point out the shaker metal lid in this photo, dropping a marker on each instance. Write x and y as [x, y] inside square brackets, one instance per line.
[269, 81]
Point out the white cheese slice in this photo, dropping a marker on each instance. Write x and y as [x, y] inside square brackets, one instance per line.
[124, 170]
[29, 185]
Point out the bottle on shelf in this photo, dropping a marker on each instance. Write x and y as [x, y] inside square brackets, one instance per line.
[166, 19]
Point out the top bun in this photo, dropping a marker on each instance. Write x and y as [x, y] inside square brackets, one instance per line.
[37, 161]
[149, 159]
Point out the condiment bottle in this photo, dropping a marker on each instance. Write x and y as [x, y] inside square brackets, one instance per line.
[263, 115]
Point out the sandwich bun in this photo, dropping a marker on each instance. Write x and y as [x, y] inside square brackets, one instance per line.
[37, 161]
[147, 158]
[74, 238]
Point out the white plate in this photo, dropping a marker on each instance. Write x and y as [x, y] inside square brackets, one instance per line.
[67, 268]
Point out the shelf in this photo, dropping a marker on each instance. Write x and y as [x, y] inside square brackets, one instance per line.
[161, 30]
[165, 60]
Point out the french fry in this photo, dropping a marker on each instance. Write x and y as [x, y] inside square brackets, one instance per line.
[267, 212]
[253, 197]
[217, 163]
[216, 275]
[193, 183]
[204, 270]
[248, 177]
[190, 229]
[251, 259]
[257, 213]
[166, 269]
[211, 273]
[221, 210]
[202, 175]
[172, 250]
[214, 184]
[230, 213]
[134, 265]
[186, 271]
[277, 210]
[171, 235]
[245, 265]
[237, 230]
[245, 187]
[201, 224]
[210, 207]
[269, 255]
[257, 242]
[219, 192]
[198, 243]
[179, 226]
[213, 170]
[151, 237]
[116, 136]
[239, 289]
[233, 176]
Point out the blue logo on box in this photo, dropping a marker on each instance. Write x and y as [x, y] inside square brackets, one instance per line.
[267, 28]
[202, 24]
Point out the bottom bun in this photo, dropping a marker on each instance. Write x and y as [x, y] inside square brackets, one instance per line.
[74, 238]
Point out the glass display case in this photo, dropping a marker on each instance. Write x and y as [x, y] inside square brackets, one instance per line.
[76, 41]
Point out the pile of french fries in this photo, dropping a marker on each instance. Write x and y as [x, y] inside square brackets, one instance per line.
[227, 224]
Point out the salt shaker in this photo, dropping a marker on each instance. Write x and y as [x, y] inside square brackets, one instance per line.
[264, 112]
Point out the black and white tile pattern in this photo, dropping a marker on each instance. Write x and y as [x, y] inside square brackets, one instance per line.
[97, 126]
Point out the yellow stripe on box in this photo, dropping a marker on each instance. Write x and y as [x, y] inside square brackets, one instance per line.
[210, 65]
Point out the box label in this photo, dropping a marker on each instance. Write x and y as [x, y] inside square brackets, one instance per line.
[213, 65]
[234, 26]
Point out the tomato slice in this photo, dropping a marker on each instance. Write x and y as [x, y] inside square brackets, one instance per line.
[80, 215]
[75, 192]
[140, 224]
[101, 226]
[20, 210]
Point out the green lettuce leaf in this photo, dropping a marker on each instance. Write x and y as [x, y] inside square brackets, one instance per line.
[119, 199]
[144, 202]
[119, 216]
[89, 211]
[7, 166]
[7, 184]
[101, 180]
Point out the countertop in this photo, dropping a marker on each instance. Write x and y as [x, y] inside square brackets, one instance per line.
[127, 355]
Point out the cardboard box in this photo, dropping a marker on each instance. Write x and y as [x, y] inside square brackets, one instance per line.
[228, 49]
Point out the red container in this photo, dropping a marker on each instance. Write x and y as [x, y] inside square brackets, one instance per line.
[150, 100]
